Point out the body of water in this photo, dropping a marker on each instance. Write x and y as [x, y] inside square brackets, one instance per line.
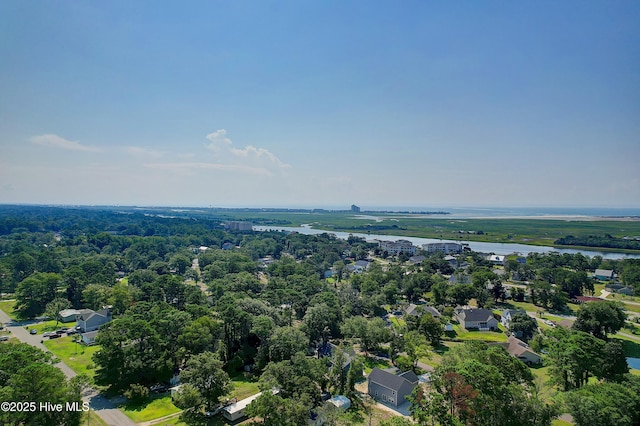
[634, 363]
[496, 248]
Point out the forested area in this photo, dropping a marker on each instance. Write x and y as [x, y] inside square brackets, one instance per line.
[606, 241]
[193, 301]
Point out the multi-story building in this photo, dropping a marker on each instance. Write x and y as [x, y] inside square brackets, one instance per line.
[238, 226]
[446, 248]
[394, 248]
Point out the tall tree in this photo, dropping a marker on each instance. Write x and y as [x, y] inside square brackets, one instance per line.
[34, 292]
[54, 307]
[204, 372]
[600, 318]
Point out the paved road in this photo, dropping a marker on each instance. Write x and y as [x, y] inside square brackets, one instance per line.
[104, 408]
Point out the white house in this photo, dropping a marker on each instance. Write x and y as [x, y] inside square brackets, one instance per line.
[235, 411]
[496, 259]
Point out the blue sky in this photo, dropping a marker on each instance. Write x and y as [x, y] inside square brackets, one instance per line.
[320, 103]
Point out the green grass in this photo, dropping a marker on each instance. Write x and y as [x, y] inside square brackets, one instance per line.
[558, 422]
[627, 306]
[398, 322]
[244, 386]
[91, 418]
[49, 326]
[486, 336]
[75, 355]
[157, 406]
[371, 363]
[630, 347]
[7, 306]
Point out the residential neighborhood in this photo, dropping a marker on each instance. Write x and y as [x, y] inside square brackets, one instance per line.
[285, 342]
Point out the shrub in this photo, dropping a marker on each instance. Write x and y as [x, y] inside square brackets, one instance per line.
[137, 393]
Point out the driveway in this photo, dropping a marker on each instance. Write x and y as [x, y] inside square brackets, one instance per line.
[104, 408]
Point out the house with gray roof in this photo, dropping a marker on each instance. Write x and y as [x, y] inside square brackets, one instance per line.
[476, 319]
[89, 338]
[419, 310]
[92, 320]
[70, 315]
[604, 274]
[390, 388]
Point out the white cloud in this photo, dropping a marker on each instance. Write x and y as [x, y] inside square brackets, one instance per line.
[55, 141]
[222, 145]
[219, 140]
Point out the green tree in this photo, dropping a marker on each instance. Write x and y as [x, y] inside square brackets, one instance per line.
[27, 375]
[204, 372]
[286, 342]
[95, 296]
[600, 318]
[35, 292]
[574, 356]
[54, 307]
[604, 404]
[431, 328]
[523, 326]
[416, 346]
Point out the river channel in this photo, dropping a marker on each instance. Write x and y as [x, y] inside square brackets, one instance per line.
[495, 248]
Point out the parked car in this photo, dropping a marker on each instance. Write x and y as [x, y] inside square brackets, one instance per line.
[33, 331]
[4, 338]
[54, 336]
[71, 331]
[61, 331]
[48, 334]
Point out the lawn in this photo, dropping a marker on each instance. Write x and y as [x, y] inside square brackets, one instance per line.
[244, 386]
[630, 347]
[75, 355]
[398, 322]
[371, 363]
[460, 333]
[48, 326]
[154, 408]
[7, 306]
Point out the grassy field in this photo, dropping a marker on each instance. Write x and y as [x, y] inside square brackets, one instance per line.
[7, 306]
[156, 407]
[75, 355]
[486, 336]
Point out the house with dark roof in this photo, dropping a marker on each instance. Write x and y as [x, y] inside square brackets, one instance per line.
[390, 388]
[476, 319]
[620, 289]
[90, 321]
